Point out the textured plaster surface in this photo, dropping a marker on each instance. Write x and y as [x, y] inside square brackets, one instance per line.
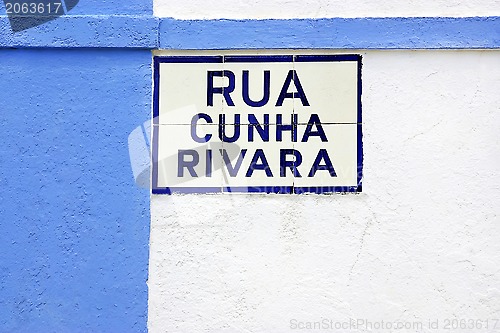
[74, 226]
[421, 242]
[263, 9]
[332, 33]
[69, 31]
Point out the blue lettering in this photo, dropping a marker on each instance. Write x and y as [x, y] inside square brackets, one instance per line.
[208, 169]
[233, 171]
[254, 124]
[265, 98]
[255, 165]
[222, 128]
[292, 75]
[225, 91]
[284, 163]
[314, 120]
[189, 165]
[280, 128]
[322, 155]
[194, 121]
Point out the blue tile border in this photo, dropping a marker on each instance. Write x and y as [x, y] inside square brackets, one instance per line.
[224, 189]
[149, 32]
[260, 189]
[259, 58]
[328, 189]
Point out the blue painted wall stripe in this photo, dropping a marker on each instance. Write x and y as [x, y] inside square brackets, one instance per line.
[74, 240]
[144, 31]
[334, 33]
[109, 31]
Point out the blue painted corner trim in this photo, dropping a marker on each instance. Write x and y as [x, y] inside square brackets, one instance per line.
[333, 33]
[110, 31]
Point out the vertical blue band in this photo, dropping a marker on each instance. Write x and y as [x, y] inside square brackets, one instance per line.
[75, 227]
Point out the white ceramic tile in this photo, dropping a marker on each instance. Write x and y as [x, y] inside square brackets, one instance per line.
[322, 90]
[183, 92]
[331, 88]
[258, 149]
[176, 144]
[257, 99]
[341, 146]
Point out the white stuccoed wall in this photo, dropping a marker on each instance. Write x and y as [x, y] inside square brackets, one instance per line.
[421, 242]
[261, 9]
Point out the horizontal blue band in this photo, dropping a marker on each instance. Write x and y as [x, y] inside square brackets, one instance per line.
[110, 31]
[333, 33]
[148, 32]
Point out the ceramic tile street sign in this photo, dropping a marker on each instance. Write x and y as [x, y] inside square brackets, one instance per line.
[272, 124]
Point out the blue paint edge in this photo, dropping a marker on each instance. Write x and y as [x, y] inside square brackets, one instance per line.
[259, 58]
[328, 189]
[146, 31]
[156, 90]
[224, 189]
[157, 60]
[190, 59]
[332, 33]
[359, 158]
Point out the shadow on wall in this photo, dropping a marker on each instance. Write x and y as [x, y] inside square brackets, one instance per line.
[25, 15]
[139, 143]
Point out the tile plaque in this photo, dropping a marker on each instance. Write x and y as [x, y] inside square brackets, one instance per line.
[257, 124]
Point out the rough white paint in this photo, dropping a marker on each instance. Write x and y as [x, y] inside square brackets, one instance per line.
[262, 9]
[421, 242]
